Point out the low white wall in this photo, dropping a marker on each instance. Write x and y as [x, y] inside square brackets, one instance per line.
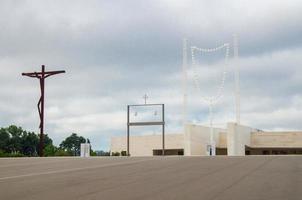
[197, 138]
[238, 136]
[144, 145]
[276, 139]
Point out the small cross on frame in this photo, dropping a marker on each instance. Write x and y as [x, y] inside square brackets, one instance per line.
[145, 98]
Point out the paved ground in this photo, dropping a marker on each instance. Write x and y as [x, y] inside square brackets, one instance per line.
[183, 178]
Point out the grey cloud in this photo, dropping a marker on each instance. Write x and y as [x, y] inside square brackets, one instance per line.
[114, 52]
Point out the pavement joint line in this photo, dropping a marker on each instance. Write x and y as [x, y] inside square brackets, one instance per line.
[72, 170]
[48, 161]
[28, 164]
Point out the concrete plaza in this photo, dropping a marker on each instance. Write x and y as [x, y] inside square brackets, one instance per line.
[183, 178]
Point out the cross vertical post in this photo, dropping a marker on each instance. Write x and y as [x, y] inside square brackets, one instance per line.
[128, 130]
[163, 128]
[41, 108]
[42, 76]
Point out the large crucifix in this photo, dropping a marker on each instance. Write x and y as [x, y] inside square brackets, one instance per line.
[42, 76]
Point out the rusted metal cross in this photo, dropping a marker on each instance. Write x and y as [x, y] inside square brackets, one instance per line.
[42, 76]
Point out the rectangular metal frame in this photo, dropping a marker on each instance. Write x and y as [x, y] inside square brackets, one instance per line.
[147, 123]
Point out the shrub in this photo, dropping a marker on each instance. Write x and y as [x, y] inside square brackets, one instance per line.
[61, 152]
[93, 153]
[3, 154]
[16, 154]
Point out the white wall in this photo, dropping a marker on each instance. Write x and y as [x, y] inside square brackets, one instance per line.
[276, 139]
[85, 150]
[144, 145]
[238, 136]
[197, 138]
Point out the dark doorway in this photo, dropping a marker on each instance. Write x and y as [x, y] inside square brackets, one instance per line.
[168, 152]
[272, 151]
[221, 151]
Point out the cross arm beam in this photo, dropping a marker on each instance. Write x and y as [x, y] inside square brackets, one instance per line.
[33, 75]
[46, 74]
[50, 73]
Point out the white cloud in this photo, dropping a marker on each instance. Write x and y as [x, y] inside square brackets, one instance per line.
[115, 52]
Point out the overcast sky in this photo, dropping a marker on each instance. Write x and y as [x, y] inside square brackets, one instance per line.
[116, 51]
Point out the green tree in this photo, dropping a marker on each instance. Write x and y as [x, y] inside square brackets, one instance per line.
[4, 140]
[48, 146]
[72, 144]
[61, 152]
[14, 143]
[29, 142]
[93, 153]
[50, 150]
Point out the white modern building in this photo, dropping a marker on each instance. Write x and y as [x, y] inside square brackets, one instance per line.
[235, 140]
